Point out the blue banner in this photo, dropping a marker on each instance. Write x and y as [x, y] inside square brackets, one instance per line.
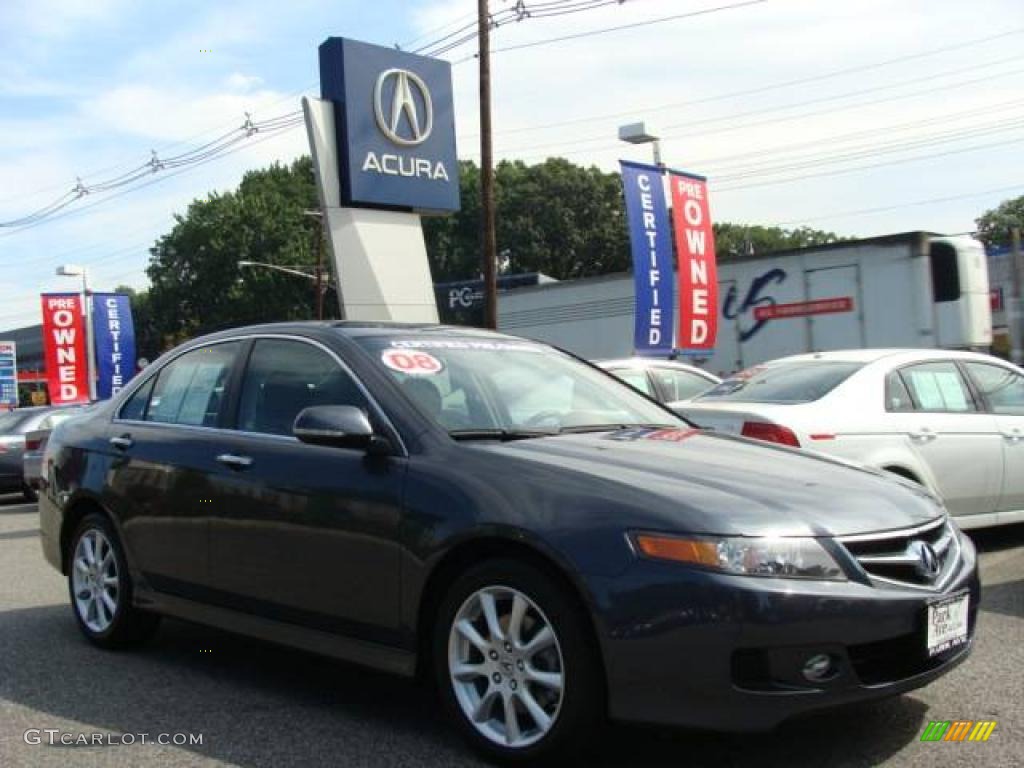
[651, 242]
[8, 375]
[115, 342]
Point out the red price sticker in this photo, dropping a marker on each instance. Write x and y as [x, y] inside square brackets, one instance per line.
[411, 362]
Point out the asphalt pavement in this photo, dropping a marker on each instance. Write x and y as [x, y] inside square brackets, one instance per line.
[257, 705]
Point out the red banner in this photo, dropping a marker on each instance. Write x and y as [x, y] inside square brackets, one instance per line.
[67, 372]
[695, 252]
[805, 308]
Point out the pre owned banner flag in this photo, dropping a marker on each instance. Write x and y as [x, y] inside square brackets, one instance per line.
[67, 372]
[115, 342]
[652, 257]
[695, 251]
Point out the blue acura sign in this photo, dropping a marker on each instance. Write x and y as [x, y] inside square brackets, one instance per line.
[395, 126]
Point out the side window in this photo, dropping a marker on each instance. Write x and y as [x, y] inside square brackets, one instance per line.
[637, 379]
[1003, 388]
[945, 272]
[190, 390]
[897, 398]
[938, 387]
[285, 376]
[135, 408]
[681, 385]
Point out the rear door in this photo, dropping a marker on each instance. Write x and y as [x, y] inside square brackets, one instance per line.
[952, 435]
[164, 440]
[835, 330]
[1002, 390]
[301, 533]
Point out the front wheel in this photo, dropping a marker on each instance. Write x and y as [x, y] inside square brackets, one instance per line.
[101, 589]
[515, 664]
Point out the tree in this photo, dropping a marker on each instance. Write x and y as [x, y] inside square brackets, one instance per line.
[196, 283]
[994, 225]
[741, 239]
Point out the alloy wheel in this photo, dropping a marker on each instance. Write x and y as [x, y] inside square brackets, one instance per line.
[506, 667]
[94, 581]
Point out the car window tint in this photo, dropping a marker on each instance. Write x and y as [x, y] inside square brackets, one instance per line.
[938, 387]
[680, 385]
[1003, 388]
[797, 382]
[285, 376]
[136, 405]
[637, 379]
[897, 398]
[190, 390]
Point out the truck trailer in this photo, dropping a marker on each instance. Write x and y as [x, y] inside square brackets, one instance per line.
[914, 289]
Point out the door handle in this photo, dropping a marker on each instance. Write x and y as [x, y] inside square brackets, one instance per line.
[923, 435]
[235, 462]
[122, 443]
[1014, 436]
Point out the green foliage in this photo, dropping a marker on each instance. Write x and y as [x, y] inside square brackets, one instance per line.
[740, 239]
[994, 225]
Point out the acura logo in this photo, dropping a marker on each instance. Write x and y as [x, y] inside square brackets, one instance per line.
[402, 121]
[927, 561]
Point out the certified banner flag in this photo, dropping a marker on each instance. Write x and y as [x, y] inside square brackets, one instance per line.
[652, 258]
[115, 342]
[695, 252]
[67, 372]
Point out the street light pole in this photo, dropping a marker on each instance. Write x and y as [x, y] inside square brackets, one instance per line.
[489, 237]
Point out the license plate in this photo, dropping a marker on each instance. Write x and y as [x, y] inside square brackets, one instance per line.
[947, 624]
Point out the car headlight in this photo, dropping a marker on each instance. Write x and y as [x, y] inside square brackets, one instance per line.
[791, 558]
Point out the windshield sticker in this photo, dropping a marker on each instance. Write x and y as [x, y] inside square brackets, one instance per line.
[665, 435]
[494, 346]
[412, 363]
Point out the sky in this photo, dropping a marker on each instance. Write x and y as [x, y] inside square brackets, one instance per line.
[863, 118]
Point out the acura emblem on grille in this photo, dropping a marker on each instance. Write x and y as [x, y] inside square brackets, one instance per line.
[927, 561]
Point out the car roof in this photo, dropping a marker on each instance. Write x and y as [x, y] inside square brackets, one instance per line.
[358, 329]
[889, 356]
[648, 362]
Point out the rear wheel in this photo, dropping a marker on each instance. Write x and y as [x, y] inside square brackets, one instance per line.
[514, 663]
[101, 590]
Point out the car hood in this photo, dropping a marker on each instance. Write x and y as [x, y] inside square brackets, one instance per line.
[698, 482]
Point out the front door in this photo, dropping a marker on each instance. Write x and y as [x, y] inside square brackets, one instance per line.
[1003, 392]
[958, 442]
[301, 533]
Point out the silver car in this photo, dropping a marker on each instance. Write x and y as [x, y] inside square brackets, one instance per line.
[35, 444]
[664, 380]
[13, 426]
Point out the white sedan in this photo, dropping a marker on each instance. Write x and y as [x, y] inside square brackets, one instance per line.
[952, 421]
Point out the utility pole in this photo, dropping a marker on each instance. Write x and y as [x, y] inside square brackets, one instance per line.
[1016, 313]
[489, 238]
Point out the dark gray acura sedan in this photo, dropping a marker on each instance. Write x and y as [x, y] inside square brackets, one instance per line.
[548, 544]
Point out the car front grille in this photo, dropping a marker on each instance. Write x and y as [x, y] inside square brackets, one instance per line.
[923, 557]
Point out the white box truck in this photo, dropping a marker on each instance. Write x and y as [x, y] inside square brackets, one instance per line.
[914, 289]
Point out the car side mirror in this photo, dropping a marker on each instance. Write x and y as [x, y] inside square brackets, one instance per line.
[341, 426]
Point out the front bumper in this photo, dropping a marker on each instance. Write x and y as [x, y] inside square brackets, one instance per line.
[705, 650]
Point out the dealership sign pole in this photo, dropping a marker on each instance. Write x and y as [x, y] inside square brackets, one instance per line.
[67, 369]
[652, 258]
[114, 335]
[697, 268]
[8, 375]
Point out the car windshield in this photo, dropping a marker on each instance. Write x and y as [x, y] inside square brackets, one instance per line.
[471, 385]
[784, 383]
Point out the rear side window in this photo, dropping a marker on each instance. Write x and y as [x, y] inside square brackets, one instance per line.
[945, 272]
[636, 378]
[785, 383]
[679, 385]
[1001, 387]
[938, 387]
[135, 408]
[897, 398]
[283, 377]
[191, 389]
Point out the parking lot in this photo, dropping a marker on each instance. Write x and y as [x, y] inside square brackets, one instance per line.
[259, 705]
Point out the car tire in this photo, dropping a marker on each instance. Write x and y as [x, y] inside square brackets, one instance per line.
[546, 667]
[29, 493]
[100, 588]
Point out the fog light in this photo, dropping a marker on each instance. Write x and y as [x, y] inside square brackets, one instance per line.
[819, 667]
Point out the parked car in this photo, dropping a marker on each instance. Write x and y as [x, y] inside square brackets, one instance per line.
[13, 426]
[667, 381]
[550, 545]
[952, 421]
[35, 443]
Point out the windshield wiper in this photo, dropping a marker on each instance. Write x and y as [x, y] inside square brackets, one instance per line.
[584, 428]
[504, 435]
